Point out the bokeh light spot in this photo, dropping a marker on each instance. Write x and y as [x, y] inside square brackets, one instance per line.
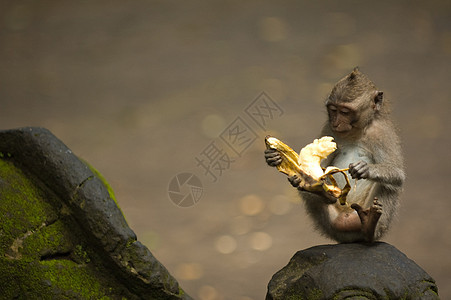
[189, 271]
[251, 205]
[225, 244]
[261, 241]
[280, 205]
[207, 292]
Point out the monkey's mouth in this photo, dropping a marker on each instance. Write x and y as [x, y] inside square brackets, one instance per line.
[342, 129]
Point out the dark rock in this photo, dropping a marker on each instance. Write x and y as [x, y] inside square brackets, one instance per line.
[351, 271]
[62, 234]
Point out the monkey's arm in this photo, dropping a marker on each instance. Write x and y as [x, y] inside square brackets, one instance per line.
[385, 173]
[388, 163]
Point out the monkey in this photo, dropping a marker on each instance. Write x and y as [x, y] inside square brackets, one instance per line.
[368, 144]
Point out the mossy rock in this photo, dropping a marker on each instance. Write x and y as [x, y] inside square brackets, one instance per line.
[62, 234]
[351, 271]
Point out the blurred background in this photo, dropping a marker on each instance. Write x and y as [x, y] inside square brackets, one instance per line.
[142, 88]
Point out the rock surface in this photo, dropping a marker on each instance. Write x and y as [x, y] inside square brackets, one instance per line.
[62, 235]
[351, 271]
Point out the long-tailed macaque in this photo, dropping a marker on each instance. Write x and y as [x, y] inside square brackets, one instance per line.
[368, 145]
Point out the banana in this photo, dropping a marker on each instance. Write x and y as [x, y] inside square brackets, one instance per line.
[307, 166]
[311, 155]
[289, 164]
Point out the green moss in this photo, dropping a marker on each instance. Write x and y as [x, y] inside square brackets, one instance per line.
[41, 255]
[181, 292]
[104, 181]
[293, 294]
[294, 297]
[61, 279]
[130, 242]
[48, 241]
[81, 255]
[315, 294]
[3, 155]
[71, 278]
[21, 205]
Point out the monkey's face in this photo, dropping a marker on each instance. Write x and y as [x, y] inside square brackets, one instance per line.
[348, 118]
[342, 118]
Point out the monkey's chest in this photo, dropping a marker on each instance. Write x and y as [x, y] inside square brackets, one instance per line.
[348, 154]
[345, 155]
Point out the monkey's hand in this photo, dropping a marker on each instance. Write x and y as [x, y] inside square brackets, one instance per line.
[273, 157]
[359, 170]
[303, 183]
[295, 182]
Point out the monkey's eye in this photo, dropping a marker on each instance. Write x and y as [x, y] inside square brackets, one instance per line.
[332, 108]
[345, 111]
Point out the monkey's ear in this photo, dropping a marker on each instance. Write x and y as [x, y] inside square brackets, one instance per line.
[378, 99]
[353, 74]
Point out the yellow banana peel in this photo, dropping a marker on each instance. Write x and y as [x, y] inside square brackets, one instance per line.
[307, 166]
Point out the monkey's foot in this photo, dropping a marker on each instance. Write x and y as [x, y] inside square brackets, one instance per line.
[369, 218]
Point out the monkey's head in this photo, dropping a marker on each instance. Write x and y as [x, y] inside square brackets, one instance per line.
[353, 104]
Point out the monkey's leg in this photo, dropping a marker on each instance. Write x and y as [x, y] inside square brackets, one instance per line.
[369, 218]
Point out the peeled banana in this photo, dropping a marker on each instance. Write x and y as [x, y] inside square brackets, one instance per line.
[307, 166]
